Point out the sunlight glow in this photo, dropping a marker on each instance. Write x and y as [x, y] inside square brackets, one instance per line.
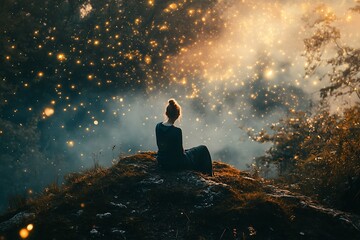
[70, 143]
[30, 227]
[61, 57]
[24, 233]
[49, 111]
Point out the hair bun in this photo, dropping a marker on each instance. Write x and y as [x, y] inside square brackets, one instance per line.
[172, 102]
[173, 110]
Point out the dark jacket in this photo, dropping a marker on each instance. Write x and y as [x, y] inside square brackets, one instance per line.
[170, 148]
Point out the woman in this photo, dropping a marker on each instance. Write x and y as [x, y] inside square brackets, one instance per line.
[171, 154]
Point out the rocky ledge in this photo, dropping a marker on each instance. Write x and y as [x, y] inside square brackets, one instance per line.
[135, 200]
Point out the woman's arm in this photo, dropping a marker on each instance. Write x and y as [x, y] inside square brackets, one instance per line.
[180, 143]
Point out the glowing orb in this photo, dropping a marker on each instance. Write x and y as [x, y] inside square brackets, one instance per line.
[173, 6]
[85, 10]
[24, 233]
[49, 111]
[40, 74]
[96, 122]
[61, 57]
[30, 227]
[70, 143]
[269, 74]
[148, 59]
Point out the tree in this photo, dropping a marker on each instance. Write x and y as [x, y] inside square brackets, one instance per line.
[342, 68]
[320, 152]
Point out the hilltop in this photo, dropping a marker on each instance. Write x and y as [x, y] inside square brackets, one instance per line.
[134, 199]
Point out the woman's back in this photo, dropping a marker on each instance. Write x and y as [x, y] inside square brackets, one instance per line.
[171, 154]
[169, 142]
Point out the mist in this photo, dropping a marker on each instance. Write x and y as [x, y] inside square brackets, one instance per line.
[239, 68]
[248, 77]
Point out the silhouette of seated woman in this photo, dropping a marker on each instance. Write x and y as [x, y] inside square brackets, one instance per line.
[171, 154]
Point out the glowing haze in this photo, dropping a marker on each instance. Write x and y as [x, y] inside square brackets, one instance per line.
[97, 82]
[247, 77]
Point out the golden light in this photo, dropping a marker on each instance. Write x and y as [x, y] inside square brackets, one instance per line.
[137, 21]
[70, 143]
[30, 227]
[147, 59]
[7, 57]
[48, 111]
[151, 2]
[96, 42]
[269, 74]
[78, 61]
[61, 57]
[173, 6]
[24, 233]
[82, 205]
[40, 74]
[90, 77]
[163, 27]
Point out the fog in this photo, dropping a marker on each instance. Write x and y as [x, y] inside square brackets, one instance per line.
[246, 77]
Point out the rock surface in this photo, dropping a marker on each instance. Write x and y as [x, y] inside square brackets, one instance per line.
[136, 200]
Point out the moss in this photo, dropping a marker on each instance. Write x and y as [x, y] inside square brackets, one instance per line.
[135, 200]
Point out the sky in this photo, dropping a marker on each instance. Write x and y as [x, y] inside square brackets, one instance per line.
[96, 81]
[248, 76]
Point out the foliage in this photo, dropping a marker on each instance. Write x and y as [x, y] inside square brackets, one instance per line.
[319, 153]
[325, 52]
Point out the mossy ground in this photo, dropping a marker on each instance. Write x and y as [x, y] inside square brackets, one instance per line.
[135, 200]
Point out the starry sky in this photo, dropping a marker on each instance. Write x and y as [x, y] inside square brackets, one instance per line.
[83, 82]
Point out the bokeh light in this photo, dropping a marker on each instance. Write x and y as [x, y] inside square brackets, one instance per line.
[30, 227]
[49, 111]
[24, 233]
[102, 76]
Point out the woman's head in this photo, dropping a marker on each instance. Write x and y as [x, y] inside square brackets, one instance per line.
[173, 110]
